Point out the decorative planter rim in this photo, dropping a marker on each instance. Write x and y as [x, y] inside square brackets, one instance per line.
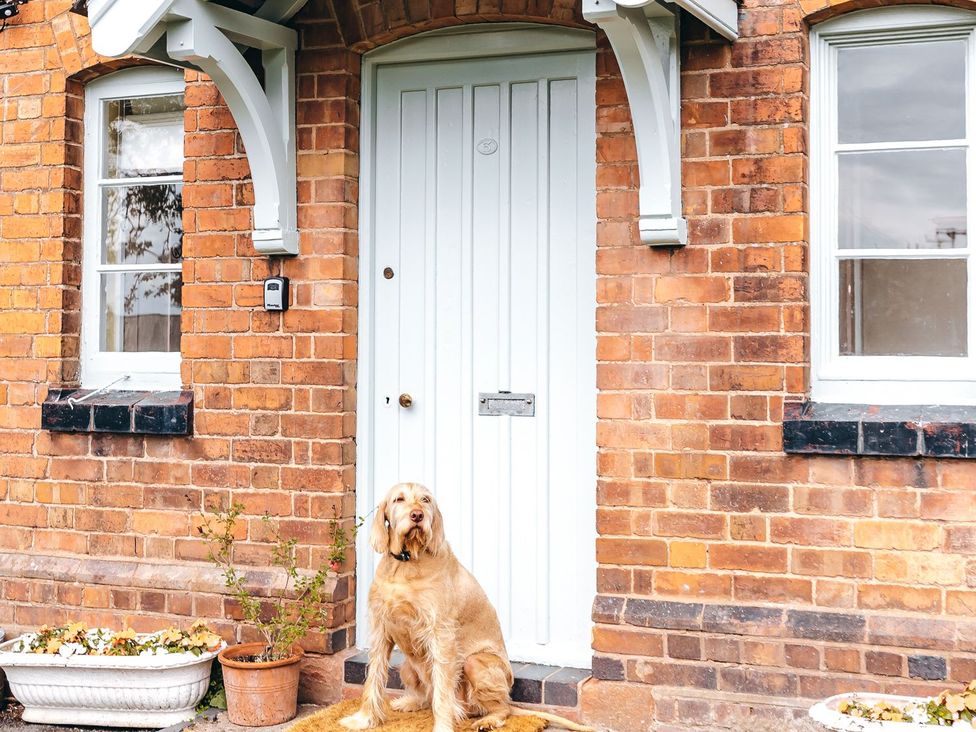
[52, 660]
[226, 656]
[826, 713]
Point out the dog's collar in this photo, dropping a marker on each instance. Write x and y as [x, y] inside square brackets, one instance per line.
[403, 556]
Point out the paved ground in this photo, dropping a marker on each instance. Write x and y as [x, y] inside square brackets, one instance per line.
[10, 722]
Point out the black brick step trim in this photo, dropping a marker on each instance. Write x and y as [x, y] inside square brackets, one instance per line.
[557, 686]
[918, 632]
[122, 412]
[860, 429]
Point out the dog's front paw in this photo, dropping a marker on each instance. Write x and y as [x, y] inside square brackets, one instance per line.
[408, 703]
[488, 723]
[359, 720]
[443, 726]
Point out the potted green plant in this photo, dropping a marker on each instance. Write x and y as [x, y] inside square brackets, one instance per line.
[261, 679]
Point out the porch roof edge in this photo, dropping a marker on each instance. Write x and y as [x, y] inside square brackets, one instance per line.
[722, 16]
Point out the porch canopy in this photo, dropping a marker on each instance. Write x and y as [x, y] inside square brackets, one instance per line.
[212, 36]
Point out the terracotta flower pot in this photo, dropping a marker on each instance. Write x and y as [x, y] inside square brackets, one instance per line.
[260, 694]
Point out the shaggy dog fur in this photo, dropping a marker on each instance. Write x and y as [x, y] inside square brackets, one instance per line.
[423, 601]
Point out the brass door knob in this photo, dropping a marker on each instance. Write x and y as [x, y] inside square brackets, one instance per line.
[406, 401]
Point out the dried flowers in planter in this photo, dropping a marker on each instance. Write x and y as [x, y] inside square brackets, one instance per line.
[78, 639]
[876, 712]
[881, 711]
[947, 707]
[72, 674]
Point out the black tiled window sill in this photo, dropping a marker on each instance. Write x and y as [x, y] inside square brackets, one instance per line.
[861, 429]
[122, 412]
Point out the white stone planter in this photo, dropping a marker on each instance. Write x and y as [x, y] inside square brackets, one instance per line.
[826, 713]
[112, 691]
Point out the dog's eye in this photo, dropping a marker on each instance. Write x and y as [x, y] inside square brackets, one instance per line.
[425, 499]
[398, 499]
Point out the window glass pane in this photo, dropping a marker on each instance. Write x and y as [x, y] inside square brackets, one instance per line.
[144, 137]
[902, 199]
[903, 307]
[141, 311]
[901, 91]
[142, 224]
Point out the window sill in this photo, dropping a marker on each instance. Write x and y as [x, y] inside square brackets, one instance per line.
[121, 412]
[861, 429]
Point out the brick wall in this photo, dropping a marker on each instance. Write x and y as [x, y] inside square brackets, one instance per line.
[739, 582]
[734, 581]
[273, 393]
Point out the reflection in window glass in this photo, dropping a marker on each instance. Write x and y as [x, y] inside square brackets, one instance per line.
[902, 199]
[141, 311]
[144, 137]
[902, 91]
[903, 307]
[141, 235]
[143, 224]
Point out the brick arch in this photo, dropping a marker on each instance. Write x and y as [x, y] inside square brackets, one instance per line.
[365, 25]
[80, 62]
[817, 11]
[101, 66]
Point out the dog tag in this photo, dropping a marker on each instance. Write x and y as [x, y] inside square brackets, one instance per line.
[499, 403]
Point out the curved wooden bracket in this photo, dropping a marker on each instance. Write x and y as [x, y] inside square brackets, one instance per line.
[209, 37]
[644, 36]
[648, 64]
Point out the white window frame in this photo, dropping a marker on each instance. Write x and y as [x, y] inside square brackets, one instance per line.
[879, 379]
[151, 370]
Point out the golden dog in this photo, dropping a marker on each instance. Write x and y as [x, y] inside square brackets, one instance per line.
[423, 601]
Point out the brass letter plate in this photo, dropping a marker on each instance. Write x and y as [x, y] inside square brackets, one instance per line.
[496, 404]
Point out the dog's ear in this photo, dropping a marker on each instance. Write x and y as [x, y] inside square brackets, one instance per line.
[379, 537]
[436, 542]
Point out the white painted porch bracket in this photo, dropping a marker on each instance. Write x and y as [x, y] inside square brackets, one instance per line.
[208, 37]
[643, 34]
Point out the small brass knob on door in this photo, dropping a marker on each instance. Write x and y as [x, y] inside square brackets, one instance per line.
[406, 401]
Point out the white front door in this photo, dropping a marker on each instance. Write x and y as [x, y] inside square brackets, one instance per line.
[481, 280]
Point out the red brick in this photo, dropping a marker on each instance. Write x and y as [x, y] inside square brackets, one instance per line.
[630, 642]
[617, 706]
[842, 659]
[802, 656]
[748, 558]
[897, 535]
[897, 597]
[685, 524]
[745, 378]
[631, 551]
[810, 531]
[692, 584]
[829, 563]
